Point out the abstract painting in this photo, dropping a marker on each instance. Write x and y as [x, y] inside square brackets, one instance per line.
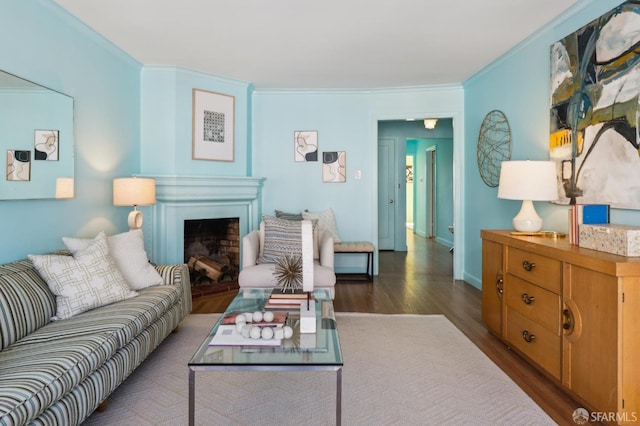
[213, 126]
[595, 83]
[18, 165]
[305, 144]
[46, 145]
[334, 166]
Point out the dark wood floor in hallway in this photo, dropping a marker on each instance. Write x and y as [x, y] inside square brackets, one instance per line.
[420, 281]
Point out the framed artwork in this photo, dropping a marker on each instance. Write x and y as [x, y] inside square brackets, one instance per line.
[305, 145]
[46, 145]
[213, 126]
[334, 166]
[594, 110]
[18, 165]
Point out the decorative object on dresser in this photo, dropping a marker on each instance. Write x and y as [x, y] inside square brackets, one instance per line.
[528, 181]
[571, 311]
[134, 191]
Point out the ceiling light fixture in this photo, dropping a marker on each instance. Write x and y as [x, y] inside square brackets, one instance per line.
[430, 123]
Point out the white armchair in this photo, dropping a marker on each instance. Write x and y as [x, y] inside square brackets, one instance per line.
[254, 274]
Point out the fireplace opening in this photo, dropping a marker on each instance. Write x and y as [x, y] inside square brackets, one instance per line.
[212, 252]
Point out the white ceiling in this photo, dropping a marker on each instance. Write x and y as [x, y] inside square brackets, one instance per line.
[289, 44]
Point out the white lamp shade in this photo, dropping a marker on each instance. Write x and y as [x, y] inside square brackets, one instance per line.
[528, 180]
[134, 191]
[64, 187]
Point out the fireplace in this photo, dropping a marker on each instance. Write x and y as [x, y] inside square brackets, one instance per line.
[212, 249]
[183, 199]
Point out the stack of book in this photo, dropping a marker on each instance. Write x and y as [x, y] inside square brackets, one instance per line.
[592, 214]
[286, 300]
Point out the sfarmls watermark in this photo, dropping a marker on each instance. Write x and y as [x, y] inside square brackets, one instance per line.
[582, 416]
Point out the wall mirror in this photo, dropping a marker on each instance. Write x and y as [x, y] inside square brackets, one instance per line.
[36, 141]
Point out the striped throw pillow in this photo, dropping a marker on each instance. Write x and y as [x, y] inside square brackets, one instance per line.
[281, 237]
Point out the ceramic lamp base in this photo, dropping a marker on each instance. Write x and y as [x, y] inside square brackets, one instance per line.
[527, 219]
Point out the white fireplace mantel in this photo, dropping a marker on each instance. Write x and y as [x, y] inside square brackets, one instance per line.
[180, 198]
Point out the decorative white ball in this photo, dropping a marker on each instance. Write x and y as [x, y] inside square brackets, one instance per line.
[267, 316]
[267, 333]
[239, 326]
[246, 331]
[257, 316]
[241, 319]
[278, 333]
[255, 332]
[248, 316]
[288, 331]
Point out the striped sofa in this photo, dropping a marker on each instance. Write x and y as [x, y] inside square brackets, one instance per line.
[59, 372]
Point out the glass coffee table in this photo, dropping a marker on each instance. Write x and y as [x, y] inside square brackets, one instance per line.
[319, 351]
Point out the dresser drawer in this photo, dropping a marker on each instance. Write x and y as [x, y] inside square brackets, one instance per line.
[543, 347]
[539, 305]
[540, 270]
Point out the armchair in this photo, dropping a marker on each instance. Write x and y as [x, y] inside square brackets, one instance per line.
[255, 275]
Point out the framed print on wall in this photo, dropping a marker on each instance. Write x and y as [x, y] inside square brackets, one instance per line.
[213, 126]
[334, 166]
[18, 165]
[46, 145]
[305, 144]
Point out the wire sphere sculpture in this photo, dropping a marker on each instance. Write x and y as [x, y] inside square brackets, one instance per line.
[494, 146]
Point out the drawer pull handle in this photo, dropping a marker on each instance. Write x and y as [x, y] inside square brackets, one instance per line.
[528, 266]
[528, 299]
[528, 337]
[500, 286]
[568, 322]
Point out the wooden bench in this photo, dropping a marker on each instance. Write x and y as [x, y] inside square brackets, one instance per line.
[356, 247]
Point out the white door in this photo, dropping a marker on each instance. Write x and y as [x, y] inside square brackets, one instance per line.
[431, 192]
[386, 194]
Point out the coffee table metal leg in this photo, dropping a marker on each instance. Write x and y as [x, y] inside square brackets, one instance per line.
[339, 397]
[192, 402]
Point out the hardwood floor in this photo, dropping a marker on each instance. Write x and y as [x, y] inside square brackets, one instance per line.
[420, 281]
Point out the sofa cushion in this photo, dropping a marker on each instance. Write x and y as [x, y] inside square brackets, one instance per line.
[326, 222]
[45, 365]
[288, 216]
[262, 276]
[127, 251]
[85, 281]
[26, 303]
[281, 237]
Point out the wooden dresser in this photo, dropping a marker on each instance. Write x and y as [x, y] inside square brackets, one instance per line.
[573, 312]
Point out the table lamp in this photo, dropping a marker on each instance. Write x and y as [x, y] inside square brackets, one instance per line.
[134, 191]
[528, 181]
[64, 188]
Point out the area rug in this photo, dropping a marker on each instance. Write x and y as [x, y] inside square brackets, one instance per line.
[398, 370]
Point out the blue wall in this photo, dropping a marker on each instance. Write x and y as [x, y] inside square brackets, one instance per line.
[44, 44]
[167, 126]
[345, 121]
[518, 85]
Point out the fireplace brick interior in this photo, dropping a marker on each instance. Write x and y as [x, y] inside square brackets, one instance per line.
[212, 243]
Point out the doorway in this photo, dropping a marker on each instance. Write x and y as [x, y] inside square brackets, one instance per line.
[422, 159]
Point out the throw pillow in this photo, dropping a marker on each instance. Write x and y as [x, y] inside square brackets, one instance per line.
[281, 237]
[288, 216]
[127, 250]
[326, 222]
[85, 281]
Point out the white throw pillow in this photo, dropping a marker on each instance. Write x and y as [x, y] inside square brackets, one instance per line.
[127, 250]
[326, 222]
[85, 281]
